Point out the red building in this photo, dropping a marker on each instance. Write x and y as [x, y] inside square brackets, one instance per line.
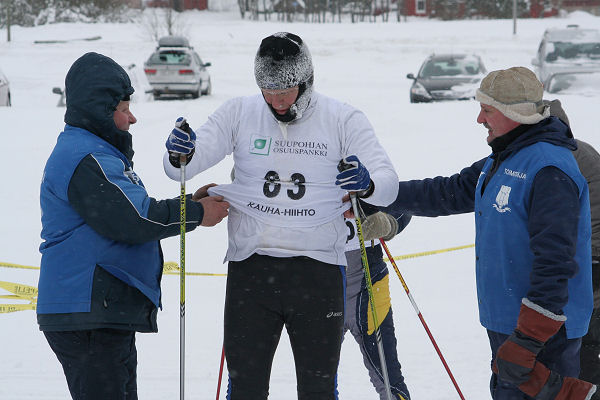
[179, 5]
[537, 9]
[419, 8]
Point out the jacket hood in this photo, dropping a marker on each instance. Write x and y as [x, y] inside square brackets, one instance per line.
[550, 130]
[94, 86]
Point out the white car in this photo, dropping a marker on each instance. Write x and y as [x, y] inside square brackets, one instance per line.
[565, 54]
[4, 90]
[176, 69]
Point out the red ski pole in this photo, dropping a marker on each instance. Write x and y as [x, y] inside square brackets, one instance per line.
[437, 349]
[220, 372]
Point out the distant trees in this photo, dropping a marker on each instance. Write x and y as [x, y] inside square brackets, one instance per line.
[317, 10]
[37, 12]
[494, 8]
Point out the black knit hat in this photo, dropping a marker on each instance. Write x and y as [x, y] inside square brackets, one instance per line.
[283, 61]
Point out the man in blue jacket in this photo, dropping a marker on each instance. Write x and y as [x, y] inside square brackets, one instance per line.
[532, 217]
[101, 257]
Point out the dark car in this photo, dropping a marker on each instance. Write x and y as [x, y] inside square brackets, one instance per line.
[447, 77]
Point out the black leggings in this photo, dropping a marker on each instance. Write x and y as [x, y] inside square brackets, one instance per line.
[263, 294]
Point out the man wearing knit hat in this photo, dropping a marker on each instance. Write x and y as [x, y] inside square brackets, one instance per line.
[532, 247]
[287, 234]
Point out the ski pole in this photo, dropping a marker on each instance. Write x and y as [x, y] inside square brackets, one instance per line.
[220, 372]
[365, 262]
[182, 161]
[412, 301]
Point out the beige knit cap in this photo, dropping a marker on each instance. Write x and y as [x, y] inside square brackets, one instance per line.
[516, 93]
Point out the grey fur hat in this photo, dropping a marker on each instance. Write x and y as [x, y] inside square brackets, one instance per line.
[516, 93]
[283, 61]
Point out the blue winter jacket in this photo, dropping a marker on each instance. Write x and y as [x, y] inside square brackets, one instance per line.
[101, 258]
[532, 218]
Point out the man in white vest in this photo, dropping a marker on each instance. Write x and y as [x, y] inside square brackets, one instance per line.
[287, 233]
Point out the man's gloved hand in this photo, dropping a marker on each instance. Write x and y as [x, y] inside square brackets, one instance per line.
[353, 175]
[182, 138]
[544, 384]
[516, 357]
[379, 225]
[181, 141]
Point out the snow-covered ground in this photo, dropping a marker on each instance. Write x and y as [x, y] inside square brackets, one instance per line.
[363, 64]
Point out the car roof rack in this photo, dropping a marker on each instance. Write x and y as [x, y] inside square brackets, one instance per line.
[173, 41]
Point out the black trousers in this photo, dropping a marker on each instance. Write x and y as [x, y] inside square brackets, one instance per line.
[590, 346]
[99, 364]
[264, 294]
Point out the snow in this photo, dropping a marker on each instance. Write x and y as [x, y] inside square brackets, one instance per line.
[363, 64]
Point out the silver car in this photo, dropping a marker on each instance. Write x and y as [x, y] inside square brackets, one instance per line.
[4, 90]
[567, 54]
[176, 69]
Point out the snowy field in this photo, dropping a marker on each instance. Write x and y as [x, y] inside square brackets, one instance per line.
[363, 64]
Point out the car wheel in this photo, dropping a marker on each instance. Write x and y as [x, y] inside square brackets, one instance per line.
[196, 94]
[8, 103]
[208, 89]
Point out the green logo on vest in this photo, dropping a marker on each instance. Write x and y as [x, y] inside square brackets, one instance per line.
[260, 145]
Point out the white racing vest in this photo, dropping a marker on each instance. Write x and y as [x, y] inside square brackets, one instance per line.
[284, 201]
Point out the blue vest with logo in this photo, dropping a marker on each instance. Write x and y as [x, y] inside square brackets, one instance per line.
[504, 258]
[72, 249]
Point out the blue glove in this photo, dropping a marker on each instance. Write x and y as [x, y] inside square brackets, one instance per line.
[182, 138]
[353, 177]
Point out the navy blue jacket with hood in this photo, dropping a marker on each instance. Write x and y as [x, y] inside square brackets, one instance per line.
[101, 258]
[532, 224]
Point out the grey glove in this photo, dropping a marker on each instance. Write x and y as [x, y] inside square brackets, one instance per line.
[379, 225]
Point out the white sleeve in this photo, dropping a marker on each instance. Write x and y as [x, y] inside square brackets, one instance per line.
[214, 140]
[360, 140]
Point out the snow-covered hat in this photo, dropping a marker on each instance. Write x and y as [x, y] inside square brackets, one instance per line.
[516, 93]
[283, 61]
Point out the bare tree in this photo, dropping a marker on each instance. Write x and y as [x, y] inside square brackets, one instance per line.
[158, 22]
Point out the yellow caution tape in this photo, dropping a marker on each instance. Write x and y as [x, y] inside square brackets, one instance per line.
[172, 268]
[29, 293]
[19, 292]
[9, 265]
[429, 253]
[24, 292]
[8, 308]
[11, 296]
[169, 268]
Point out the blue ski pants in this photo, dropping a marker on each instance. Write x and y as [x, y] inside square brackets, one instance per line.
[358, 320]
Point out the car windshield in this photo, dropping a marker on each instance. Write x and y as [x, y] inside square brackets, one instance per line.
[570, 51]
[176, 57]
[451, 67]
